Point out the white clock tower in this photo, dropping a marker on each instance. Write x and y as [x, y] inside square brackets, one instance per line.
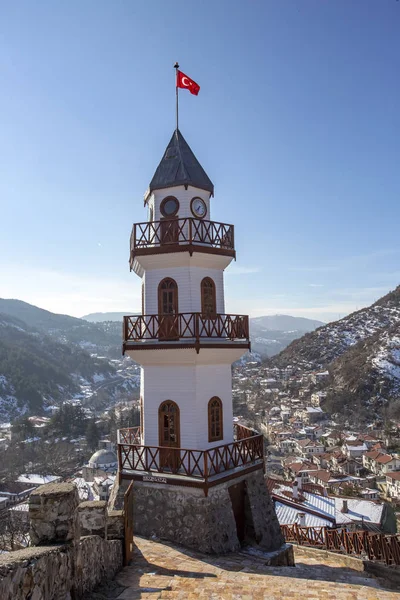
[198, 477]
[184, 339]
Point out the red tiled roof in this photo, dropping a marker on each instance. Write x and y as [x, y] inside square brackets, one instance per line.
[303, 443]
[323, 475]
[395, 475]
[384, 459]
[373, 454]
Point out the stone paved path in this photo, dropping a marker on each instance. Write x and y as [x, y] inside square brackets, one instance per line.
[161, 571]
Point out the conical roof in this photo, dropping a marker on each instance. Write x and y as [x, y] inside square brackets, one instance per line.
[179, 166]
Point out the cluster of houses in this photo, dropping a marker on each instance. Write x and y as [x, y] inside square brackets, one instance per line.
[288, 409]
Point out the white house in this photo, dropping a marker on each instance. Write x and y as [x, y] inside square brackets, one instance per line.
[393, 485]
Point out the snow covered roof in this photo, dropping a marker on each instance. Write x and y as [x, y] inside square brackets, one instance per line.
[37, 479]
[287, 515]
[330, 507]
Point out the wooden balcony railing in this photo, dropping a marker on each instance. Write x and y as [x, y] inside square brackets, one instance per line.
[375, 546]
[170, 235]
[185, 326]
[197, 464]
[130, 435]
[241, 432]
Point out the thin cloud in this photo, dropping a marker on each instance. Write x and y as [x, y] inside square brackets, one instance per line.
[345, 262]
[242, 270]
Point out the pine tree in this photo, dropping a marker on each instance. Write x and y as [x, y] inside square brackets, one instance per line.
[92, 435]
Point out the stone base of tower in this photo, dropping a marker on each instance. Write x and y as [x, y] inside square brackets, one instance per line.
[235, 513]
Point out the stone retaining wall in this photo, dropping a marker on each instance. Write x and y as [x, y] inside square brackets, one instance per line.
[63, 565]
[186, 516]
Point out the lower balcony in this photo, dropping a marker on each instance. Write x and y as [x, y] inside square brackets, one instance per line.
[183, 466]
[185, 330]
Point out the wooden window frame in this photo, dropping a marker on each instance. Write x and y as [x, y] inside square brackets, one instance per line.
[141, 417]
[211, 437]
[178, 423]
[165, 200]
[214, 292]
[160, 313]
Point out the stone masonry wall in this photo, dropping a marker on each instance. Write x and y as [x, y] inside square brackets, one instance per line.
[59, 572]
[64, 566]
[186, 516]
[267, 531]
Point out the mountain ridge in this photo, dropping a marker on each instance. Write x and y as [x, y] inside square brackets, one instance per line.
[317, 349]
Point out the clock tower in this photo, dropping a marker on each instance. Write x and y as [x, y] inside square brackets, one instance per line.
[198, 476]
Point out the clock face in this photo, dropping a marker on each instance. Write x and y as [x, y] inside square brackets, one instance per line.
[199, 208]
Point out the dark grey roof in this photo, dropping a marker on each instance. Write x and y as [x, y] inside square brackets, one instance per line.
[179, 166]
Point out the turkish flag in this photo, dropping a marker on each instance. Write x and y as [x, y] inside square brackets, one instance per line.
[184, 82]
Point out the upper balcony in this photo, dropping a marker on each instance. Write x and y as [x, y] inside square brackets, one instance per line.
[180, 235]
[185, 330]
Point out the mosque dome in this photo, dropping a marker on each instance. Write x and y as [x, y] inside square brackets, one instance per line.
[103, 458]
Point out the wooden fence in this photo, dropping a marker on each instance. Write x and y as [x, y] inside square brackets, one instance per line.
[364, 544]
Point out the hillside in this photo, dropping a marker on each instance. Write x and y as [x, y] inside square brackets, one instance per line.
[101, 317]
[36, 370]
[319, 348]
[367, 376]
[101, 337]
[271, 334]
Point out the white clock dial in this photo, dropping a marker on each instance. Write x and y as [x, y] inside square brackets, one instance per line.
[199, 208]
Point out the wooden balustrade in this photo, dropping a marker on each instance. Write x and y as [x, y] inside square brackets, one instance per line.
[129, 435]
[241, 431]
[196, 464]
[374, 546]
[171, 235]
[183, 326]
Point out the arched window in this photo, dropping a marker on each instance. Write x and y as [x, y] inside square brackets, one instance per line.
[168, 322]
[215, 431]
[169, 426]
[167, 297]
[208, 299]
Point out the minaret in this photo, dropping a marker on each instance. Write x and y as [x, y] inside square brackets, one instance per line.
[184, 340]
[198, 478]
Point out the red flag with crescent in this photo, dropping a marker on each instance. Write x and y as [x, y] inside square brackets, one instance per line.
[184, 82]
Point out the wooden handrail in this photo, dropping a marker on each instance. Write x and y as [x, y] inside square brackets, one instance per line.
[194, 326]
[199, 464]
[189, 231]
[376, 546]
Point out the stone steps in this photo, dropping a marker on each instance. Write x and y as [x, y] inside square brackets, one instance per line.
[165, 572]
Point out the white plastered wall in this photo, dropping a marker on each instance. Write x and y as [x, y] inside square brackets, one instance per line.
[191, 387]
[183, 196]
[188, 280]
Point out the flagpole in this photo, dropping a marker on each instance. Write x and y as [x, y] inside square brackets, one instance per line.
[176, 67]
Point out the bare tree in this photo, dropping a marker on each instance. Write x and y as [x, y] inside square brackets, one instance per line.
[14, 529]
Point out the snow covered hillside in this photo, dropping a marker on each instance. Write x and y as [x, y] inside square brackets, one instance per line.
[318, 349]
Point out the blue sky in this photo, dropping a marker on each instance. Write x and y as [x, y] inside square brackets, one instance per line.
[297, 124]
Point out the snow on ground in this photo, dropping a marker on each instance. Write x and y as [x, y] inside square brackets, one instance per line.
[98, 377]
